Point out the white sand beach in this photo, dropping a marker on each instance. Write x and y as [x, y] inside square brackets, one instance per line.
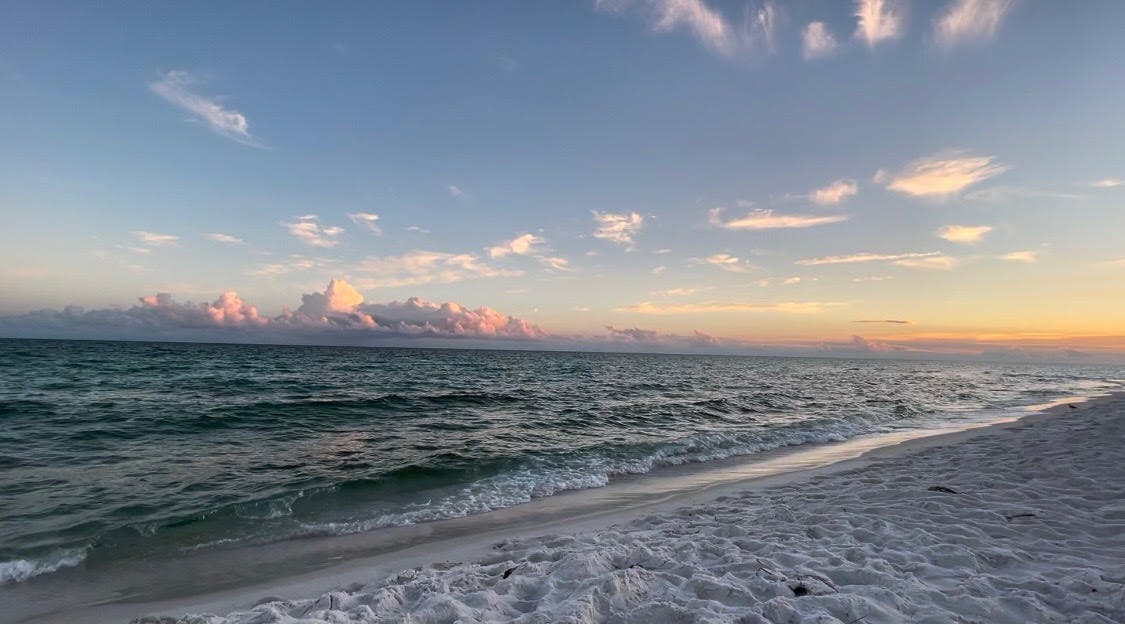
[1023, 521]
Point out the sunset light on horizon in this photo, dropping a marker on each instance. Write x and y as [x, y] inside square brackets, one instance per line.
[868, 179]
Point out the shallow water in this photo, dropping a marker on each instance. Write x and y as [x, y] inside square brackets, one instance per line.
[149, 450]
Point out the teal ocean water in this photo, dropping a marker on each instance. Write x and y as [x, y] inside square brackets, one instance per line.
[111, 450]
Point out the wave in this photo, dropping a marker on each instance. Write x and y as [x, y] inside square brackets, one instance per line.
[14, 571]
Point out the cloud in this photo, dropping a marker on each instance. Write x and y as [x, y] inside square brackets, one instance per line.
[680, 292]
[293, 264]
[893, 321]
[944, 174]
[522, 245]
[456, 191]
[555, 262]
[618, 228]
[864, 257]
[707, 25]
[1107, 183]
[425, 267]
[928, 262]
[1021, 256]
[308, 229]
[834, 193]
[155, 239]
[650, 308]
[726, 262]
[337, 312]
[653, 338]
[1005, 193]
[878, 21]
[529, 245]
[963, 234]
[178, 88]
[861, 344]
[367, 220]
[872, 278]
[219, 237]
[760, 29]
[964, 21]
[339, 296]
[817, 42]
[765, 219]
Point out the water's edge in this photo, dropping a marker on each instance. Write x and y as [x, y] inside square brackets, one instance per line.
[129, 589]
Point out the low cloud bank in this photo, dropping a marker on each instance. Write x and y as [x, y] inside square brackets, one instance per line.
[338, 313]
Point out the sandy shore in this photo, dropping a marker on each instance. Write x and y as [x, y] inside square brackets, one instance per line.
[1016, 522]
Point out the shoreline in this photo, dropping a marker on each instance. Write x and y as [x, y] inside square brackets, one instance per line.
[316, 566]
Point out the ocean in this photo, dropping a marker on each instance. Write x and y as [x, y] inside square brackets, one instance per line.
[148, 451]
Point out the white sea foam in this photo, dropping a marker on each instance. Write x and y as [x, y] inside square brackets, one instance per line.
[21, 570]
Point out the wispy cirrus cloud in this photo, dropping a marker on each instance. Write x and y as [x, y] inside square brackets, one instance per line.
[967, 21]
[179, 88]
[425, 267]
[530, 245]
[865, 257]
[219, 237]
[817, 42]
[758, 32]
[308, 229]
[1005, 193]
[942, 175]
[1021, 256]
[760, 27]
[766, 219]
[726, 262]
[294, 263]
[456, 191]
[928, 262]
[707, 25]
[835, 192]
[890, 321]
[617, 228]
[878, 21]
[963, 234]
[155, 239]
[650, 308]
[1107, 183]
[677, 292]
[366, 220]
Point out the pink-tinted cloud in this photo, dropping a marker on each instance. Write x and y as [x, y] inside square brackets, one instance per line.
[339, 308]
[655, 339]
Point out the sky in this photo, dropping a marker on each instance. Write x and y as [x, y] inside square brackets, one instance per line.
[896, 178]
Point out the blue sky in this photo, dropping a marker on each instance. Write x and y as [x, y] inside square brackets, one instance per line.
[590, 145]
